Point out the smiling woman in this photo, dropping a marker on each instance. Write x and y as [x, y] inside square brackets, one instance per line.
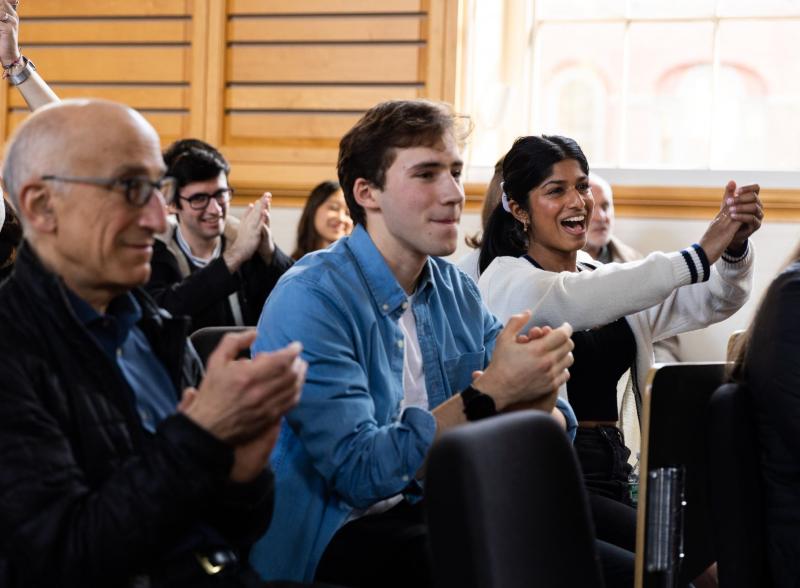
[530, 260]
[325, 219]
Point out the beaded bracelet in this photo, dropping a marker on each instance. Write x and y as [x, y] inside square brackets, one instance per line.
[13, 63]
[7, 68]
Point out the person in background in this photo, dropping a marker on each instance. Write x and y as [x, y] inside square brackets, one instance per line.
[605, 247]
[469, 262]
[324, 220]
[767, 364]
[210, 266]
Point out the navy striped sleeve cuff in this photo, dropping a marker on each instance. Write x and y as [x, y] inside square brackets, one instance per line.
[697, 261]
[737, 258]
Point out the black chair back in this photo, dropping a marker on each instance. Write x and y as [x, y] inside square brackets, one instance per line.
[674, 426]
[507, 507]
[205, 340]
[736, 493]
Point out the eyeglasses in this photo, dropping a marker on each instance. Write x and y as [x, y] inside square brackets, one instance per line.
[137, 190]
[201, 200]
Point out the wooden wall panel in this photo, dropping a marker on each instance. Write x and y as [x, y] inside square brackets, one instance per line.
[171, 97]
[154, 64]
[299, 73]
[322, 29]
[144, 53]
[102, 8]
[315, 97]
[92, 32]
[324, 128]
[274, 84]
[323, 6]
[344, 64]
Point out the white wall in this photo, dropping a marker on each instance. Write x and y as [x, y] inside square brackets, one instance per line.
[773, 243]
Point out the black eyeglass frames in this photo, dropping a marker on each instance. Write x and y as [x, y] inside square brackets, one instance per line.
[201, 200]
[137, 190]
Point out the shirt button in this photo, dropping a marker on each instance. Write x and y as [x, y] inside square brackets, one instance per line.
[119, 351]
[406, 478]
[404, 305]
[400, 343]
[385, 307]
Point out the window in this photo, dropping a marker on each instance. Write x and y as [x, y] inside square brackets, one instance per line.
[640, 84]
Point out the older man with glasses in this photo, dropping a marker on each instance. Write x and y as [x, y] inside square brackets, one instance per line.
[119, 466]
[209, 265]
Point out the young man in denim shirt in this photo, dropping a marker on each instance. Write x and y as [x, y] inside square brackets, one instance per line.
[399, 345]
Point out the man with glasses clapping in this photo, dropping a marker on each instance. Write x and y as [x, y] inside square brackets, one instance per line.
[209, 265]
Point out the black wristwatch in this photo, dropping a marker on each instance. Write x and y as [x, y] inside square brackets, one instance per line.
[477, 405]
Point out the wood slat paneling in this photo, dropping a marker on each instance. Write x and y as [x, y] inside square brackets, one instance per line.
[153, 97]
[322, 6]
[336, 63]
[51, 8]
[268, 176]
[113, 64]
[273, 83]
[289, 126]
[314, 97]
[350, 28]
[92, 31]
[283, 154]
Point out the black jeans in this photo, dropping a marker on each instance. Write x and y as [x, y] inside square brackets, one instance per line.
[604, 461]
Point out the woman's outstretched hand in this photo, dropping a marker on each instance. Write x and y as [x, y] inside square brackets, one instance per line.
[739, 217]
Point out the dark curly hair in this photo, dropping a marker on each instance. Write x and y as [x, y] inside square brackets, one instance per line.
[193, 160]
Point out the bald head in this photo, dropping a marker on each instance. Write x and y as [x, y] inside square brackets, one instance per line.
[70, 169]
[73, 137]
[602, 222]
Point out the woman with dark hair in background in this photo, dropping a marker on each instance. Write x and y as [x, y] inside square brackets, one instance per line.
[325, 219]
[469, 262]
[529, 259]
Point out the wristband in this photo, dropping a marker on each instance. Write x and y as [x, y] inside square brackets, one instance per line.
[477, 405]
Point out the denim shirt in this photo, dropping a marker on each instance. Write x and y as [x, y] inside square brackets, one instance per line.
[346, 445]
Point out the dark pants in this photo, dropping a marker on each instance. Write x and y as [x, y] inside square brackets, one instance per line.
[187, 572]
[389, 550]
[604, 461]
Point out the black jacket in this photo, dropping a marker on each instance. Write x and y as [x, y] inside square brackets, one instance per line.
[87, 496]
[773, 377]
[203, 294]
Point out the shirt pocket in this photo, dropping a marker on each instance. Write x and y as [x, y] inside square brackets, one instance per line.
[459, 369]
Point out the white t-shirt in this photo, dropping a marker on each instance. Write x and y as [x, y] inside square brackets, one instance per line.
[414, 391]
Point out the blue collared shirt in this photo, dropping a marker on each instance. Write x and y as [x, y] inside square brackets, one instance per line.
[348, 445]
[126, 345]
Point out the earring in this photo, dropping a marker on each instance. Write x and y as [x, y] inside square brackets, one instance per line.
[525, 226]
